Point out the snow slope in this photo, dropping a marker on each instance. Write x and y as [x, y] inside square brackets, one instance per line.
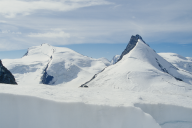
[115, 59]
[143, 69]
[183, 63]
[53, 65]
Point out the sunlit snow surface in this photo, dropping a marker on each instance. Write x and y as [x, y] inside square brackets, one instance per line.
[139, 91]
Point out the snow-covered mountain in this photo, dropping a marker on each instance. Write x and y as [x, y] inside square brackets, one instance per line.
[53, 65]
[182, 63]
[141, 68]
[115, 59]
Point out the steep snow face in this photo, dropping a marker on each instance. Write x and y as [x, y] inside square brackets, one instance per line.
[30, 112]
[115, 59]
[53, 65]
[143, 70]
[183, 63]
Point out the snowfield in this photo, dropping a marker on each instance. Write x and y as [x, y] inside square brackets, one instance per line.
[142, 90]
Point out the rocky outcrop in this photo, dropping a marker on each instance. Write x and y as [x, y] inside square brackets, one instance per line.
[132, 43]
[6, 76]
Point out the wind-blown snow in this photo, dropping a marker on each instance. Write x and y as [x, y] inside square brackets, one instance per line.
[53, 65]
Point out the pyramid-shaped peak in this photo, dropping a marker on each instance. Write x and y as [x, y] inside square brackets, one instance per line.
[132, 43]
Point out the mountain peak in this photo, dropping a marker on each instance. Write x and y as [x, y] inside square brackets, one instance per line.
[132, 43]
[45, 49]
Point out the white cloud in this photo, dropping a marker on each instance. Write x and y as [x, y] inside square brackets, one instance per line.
[9, 32]
[11, 8]
[156, 21]
[54, 34]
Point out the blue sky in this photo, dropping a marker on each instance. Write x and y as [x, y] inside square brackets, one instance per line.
[96, 28]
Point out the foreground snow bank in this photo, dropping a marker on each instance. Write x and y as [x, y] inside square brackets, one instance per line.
[169, 116]
[31, 112]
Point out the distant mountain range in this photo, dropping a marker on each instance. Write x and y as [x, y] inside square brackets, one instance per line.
[138, 64]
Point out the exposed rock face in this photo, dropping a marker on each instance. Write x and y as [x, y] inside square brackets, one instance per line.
[132, 43]
[6, 76]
